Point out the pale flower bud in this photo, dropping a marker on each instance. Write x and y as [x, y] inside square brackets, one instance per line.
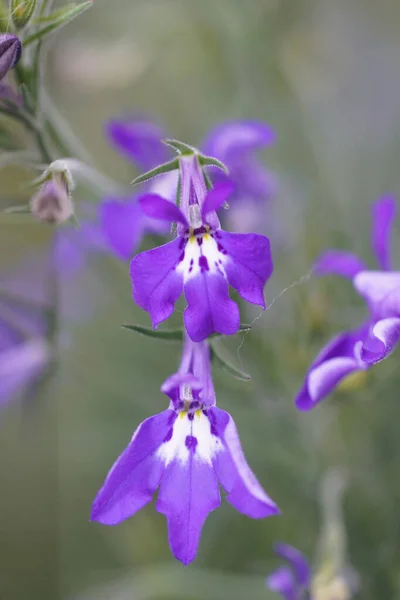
[52, 203]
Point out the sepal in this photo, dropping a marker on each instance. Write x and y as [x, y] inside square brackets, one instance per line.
[172, 165]
[220, 361]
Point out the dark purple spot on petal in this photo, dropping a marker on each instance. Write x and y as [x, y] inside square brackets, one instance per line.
[199, 241]
[213, 430]
[191, 442]
[169, 435]
[191, 416]
[203, 264]
[194, 404]
[172, 417]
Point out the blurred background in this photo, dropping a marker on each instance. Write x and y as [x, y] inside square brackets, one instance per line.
[326, 76]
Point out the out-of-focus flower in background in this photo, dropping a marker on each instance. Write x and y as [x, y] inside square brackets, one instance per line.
[333, 578]
[236, 143]
[24, 350]
[375, 339]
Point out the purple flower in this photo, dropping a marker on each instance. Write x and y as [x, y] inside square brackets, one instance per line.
[186, 451]
[235, 144]
[10, 52]
[122, 219]
[24, 353]
[370, 343]
[202, 260]
[291, 582]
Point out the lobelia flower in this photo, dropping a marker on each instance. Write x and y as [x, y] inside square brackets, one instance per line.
[122, 220]
[10, 52]
[333, 578]
[24, 352]
[373, 340]
[185, 451]
[294, 581]
[235, 143]
[201, 261]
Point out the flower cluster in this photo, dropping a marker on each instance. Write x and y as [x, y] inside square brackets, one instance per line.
[376, 337]
[191, 447]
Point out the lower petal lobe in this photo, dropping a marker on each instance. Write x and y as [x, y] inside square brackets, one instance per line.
[188, 493]
[156, 283]
[135, 475]
[209, 307]
[244, 491]
[248, 265]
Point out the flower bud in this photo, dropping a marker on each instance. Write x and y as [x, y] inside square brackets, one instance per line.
[52, 203]
[22, 11]
[10, 52]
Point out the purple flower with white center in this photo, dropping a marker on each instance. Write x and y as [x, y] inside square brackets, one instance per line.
[201, 261]
[291, 581]
[122, 219]
[186, 451]
[235, 144]
[375, 339]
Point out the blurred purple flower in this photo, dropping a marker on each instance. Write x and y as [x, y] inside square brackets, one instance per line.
[235, 143]
[122, 219]
[375, 339]
[292, 582]
[24, 351]
[201, 261]
[185, 451]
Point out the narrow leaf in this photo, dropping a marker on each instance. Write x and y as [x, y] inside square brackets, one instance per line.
[165, 168]
[209, 161]
[168, 335]
[63, 17]
[181, 147]
[21, 209]
[221, 362]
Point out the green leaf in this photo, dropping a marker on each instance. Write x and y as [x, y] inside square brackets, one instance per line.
[57, 20]
[181, 147]
[21, 12]
[221, 362]
[172, 165]
[21, 209]
[209, 161]
[168, 335]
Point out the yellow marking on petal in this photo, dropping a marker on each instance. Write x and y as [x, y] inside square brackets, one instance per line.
[206, 237]
[192, 239]
[354, 381]
[182, 414]
[198, 413]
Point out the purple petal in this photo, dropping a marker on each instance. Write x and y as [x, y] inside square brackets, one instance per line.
[122, 223]
[20, 365]
[383, 214]
[188, 493]
[337, 360]
[232, 139]
[282, 581]
[217, 197]
[136, 474]
[249, 263]
[383, 337]
[209, 307]
[336, 262]
[381, 290]
[156, 207]
[244, 491]
[139, 140]
[156, 284]
[298, 562]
